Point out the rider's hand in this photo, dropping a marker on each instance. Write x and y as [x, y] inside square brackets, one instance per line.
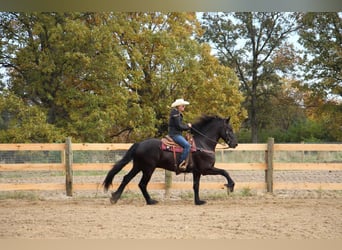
[189, 124]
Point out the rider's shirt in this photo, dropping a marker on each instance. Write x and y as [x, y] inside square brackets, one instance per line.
[176, 126]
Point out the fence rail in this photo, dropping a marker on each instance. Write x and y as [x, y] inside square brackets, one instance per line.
[269, 165]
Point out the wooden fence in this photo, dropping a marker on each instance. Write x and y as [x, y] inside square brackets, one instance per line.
[268, 165]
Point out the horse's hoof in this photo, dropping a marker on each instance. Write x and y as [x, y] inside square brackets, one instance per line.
[200, 202]
[230, 187]
[112, 201]
[152, 202]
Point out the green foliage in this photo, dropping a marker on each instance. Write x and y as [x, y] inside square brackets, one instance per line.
[255, 45]
[299, 131]
[306, 131]
[285, 118]
[322, 37]
[111, 77]
[22, 123]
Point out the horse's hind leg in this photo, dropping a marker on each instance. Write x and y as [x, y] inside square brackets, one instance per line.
[143, 187]
[126, 179]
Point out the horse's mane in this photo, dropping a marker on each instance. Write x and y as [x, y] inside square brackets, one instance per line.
[204, 120]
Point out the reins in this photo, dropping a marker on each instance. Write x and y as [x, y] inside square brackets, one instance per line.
[205, 136]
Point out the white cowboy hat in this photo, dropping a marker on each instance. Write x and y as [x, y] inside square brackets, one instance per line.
[179, 102]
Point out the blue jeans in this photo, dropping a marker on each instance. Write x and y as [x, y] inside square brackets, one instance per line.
[179, 139]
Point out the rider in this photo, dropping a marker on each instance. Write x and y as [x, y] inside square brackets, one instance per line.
[176, 127]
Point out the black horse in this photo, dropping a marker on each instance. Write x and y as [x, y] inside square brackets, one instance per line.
[148, 155]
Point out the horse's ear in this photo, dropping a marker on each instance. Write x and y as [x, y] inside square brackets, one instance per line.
[228, 119]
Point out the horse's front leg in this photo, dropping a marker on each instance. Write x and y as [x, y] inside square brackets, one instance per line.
[216, 171]
[196, 181]
[230, 185]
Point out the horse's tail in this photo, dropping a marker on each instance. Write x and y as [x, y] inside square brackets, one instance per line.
[119, 165]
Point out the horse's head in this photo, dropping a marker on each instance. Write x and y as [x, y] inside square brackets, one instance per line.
[212, 128]
[228, 135]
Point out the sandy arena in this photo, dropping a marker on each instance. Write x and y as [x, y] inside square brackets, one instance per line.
[256, 217]
[287, 214]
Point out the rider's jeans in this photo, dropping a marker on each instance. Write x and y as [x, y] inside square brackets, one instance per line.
[179, 139]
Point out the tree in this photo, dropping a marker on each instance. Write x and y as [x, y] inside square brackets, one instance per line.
[279, 113]
[165, 62]
[63, 64]
[288, 101]
[321, 37]
[255, 45]
[22, 123]
[112, 76]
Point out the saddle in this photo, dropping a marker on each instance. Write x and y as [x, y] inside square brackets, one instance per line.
[168, 144]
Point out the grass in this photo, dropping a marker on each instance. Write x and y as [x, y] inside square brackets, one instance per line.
[90, 173]
[186, 195]
[19, 195]
[246, 192]
[218, 195]
[34, 174]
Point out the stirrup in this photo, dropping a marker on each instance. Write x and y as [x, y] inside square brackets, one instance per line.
[182, 166]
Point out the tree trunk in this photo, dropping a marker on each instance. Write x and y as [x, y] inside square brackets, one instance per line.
[253, 115]
[254, 122]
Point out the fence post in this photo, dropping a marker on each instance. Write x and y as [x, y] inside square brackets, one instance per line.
[168, 183]
[68, 167]
[269, 162]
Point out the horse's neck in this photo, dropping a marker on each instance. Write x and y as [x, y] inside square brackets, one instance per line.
[207, 136]
[206, 142]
